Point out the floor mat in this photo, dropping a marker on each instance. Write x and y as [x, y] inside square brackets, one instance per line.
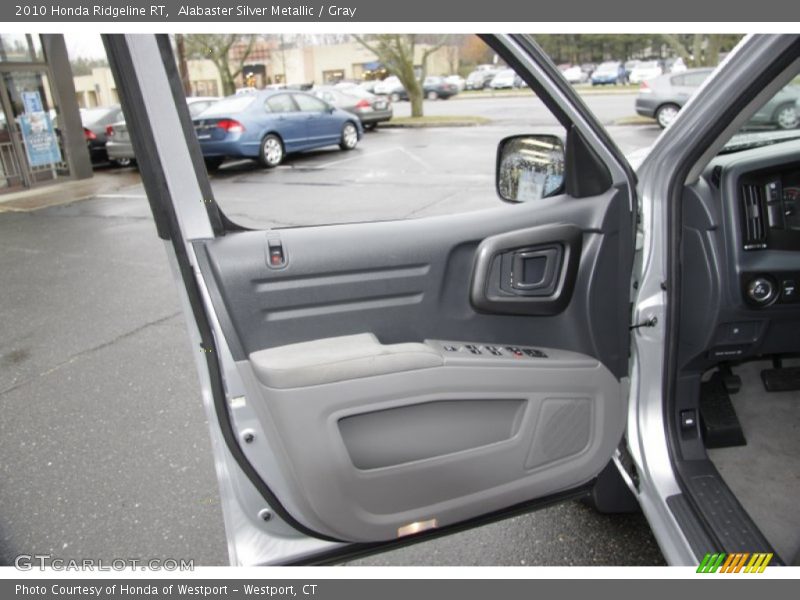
[765, 474]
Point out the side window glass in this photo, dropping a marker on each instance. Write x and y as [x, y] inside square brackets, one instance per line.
[281, 103]
[310, 103]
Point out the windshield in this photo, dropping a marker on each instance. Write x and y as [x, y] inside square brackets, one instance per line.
[778, 120]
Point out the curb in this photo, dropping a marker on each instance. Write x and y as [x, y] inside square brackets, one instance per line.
[66, 191]
[634, 121]
[600, 91]
[423, 125]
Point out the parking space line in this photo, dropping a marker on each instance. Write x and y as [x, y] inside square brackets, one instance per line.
[416, 158]
[344, 160]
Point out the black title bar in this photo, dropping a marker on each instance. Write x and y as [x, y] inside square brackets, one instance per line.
[381, 11]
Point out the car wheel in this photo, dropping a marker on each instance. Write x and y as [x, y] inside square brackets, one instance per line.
[212, 164]
[395, 97]
[123, 162]
[370, 126]
[666, 114]
[271, 152]
[786, 117]
[432, 95]
[349, 136]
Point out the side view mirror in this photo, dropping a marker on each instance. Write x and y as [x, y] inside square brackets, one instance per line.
[530, 167]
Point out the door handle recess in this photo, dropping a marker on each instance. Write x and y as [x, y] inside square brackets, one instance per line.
[526, 272]
[533, 270]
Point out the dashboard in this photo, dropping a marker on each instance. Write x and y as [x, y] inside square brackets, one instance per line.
[741, 257]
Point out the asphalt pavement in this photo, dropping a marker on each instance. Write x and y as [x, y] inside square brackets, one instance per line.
[104, 449]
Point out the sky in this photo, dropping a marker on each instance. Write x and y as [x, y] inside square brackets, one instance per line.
[86, 45]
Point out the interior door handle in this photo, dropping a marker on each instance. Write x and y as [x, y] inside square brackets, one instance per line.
[527, 272]
[533, 270]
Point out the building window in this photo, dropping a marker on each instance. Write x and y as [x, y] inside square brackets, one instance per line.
[20, 47]
[205, 87]
[334, 76]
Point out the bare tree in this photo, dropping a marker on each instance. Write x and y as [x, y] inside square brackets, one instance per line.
[229, 53]
[701, 49]
[183, 68]
[396, 52]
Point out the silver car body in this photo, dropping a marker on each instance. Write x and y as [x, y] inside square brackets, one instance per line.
[645, 462]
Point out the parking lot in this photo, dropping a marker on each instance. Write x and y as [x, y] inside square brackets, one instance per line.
[104, 443]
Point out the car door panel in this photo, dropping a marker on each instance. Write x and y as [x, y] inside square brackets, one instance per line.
[348, 371]
[481, 432]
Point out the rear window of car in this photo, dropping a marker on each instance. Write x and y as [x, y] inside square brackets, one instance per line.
[695, 79]
[608, 66]
[326, 95]
[358, 92]
[233, 104]
[90, 116]
[195, 108]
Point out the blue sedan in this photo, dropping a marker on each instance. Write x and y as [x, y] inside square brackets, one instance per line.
[268, 125]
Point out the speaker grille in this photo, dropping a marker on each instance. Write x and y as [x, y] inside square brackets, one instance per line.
[563, 430]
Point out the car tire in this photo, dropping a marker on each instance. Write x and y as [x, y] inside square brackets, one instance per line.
[432, 95]
[370, 126]
[394, 97]
[214, 163]
[786, 116]
[666, 113]
[349, 136]
[271, 152]
[122, 162]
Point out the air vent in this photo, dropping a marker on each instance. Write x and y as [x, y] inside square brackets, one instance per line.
[754, 228]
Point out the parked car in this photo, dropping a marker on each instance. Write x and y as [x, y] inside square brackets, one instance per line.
[95, 123]
[435, 87]
[664, 96]
[369, 108]
[574, 74]
[644, 70]
[368, 86]
[118, 144]
[270, 124]
[457, 80]
[389, 86]
[629, 66]
[505, 79]
[480, 79]
[609, 72]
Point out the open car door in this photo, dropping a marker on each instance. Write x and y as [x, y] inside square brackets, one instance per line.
[379, 382]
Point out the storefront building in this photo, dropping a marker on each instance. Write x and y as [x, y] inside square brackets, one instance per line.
[41, 136]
